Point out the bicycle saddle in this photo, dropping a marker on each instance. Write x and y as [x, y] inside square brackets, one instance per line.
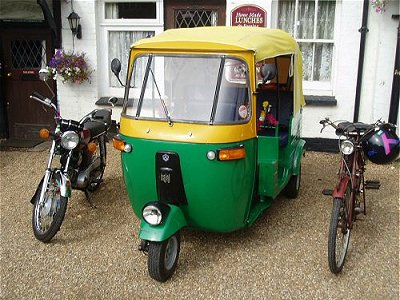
[348, 127]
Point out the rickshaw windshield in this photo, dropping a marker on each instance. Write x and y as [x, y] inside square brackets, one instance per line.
[189, 88]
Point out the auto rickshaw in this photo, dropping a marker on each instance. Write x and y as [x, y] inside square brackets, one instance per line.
[209, 132]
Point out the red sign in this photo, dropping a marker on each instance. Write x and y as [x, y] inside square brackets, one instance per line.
[249, 15]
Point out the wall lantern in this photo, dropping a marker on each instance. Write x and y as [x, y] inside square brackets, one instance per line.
[74, 25]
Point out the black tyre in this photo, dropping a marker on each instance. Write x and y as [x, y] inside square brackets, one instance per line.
[98, 174]
[163, 258]
[292, 189]
[48, 216]
[339, 235]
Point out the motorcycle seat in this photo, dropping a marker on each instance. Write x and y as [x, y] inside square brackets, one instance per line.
[99, 123]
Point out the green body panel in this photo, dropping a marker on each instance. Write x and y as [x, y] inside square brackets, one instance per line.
[277, 164]
[219, 193]
[174, 222]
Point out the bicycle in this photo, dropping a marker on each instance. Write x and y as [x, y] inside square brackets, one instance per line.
[347, 199]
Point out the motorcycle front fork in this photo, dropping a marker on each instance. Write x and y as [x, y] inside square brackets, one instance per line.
[64, 178]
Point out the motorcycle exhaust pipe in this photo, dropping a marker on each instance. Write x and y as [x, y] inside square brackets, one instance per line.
[83, 178]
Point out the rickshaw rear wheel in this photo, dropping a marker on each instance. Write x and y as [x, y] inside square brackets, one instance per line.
[292, 189]
[163, 258]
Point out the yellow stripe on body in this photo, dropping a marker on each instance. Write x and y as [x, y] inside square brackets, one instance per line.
[186, 133]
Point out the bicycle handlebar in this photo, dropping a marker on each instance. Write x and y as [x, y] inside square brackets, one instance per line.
[367, 128]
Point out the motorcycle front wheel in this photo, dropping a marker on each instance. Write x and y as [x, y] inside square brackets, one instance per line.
[48, 216]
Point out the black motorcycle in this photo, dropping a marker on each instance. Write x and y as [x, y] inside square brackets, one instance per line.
[81, 147]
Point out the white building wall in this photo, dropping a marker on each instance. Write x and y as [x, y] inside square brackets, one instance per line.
[380, 54]
[76, 100]
[347, 45]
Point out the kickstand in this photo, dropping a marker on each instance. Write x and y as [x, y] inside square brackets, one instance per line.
[88, 198]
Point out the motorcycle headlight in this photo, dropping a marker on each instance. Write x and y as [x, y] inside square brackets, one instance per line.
[346, 147]
[69, 140]
[152, 214]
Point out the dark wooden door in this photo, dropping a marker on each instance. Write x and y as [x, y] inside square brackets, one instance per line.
[24, 53]
[194, 13]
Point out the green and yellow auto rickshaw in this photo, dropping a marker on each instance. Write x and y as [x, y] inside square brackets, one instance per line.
[209, 132]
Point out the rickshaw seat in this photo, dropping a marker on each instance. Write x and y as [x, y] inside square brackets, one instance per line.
[283, 134]
[285, 112]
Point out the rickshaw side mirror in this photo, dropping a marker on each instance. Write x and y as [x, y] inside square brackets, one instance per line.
[116, 69]
[268, 72]
[116, 66]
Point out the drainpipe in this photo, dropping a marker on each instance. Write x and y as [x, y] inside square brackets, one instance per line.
[363, 30]
[394, 100]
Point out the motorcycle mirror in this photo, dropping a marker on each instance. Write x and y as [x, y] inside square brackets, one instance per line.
[116, 66]
[44, 74]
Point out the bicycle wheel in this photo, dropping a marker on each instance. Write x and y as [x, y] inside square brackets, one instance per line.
[339, 235]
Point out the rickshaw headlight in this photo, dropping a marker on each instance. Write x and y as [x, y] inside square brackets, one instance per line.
[346, 147]
[152, 214]
[69, 140]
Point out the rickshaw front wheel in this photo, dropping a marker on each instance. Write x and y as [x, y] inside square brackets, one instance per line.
[163, 258]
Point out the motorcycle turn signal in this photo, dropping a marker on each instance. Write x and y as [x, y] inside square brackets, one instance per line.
[44, 133]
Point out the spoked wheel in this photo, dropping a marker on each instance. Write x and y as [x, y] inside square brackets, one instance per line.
[163, 258]
[292, 189]
[48, 215]
[339, 236]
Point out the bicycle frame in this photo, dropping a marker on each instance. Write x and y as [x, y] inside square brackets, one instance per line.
[351, 171]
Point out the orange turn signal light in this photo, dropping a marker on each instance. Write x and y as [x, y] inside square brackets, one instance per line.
[91, 147]
[232, 154]
[118, 144]
[44, 133]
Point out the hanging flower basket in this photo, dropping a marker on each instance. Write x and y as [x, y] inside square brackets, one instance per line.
[379, 5]
[71, 67]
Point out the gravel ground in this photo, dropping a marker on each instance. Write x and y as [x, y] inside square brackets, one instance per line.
[282, 256]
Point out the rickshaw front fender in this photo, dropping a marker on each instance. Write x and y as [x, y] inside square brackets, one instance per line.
[297, 157]
[174, 221]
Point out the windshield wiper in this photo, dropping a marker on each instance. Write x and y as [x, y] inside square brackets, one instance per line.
[217, 88]
[146, 76]
[162, 101]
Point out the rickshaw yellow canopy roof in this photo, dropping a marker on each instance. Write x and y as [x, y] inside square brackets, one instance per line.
[263, 42]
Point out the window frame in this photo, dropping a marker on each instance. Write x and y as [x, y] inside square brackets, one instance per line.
[107, 25]
[322, 88]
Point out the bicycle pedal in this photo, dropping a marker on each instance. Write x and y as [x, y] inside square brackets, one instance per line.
[358, 210]
[372, 182]
[327, 192]
[372, 185]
